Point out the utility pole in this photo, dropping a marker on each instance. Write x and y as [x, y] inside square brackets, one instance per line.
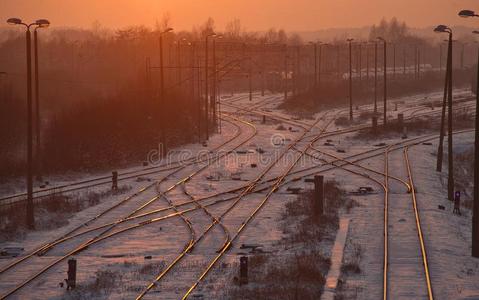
[350, 80]
[450, 181]
[198, 91]
[385, 80]
[475, 213]
[315, 45]
[30, 217]
[30, 214]
[440, 151]
[297, 86]
[415, 62]
[394, 60]
[440, 57]
[338, 65]
[250, 78]
[285, 72]
[419, 62]
[319, 67]
[38, 152]
[367, 65]
[213, 103]
[206, 86]
[162, 99]
[404, 61]
[375, 77]
[360, 69]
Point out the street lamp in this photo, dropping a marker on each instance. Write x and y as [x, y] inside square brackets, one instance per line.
[212, 34]
[162, 91]
[215, 81]
[375, 78]
[30, 219]
[450, 183]
[385, 79]
[350, 80]
[42, 23]
[475, 214]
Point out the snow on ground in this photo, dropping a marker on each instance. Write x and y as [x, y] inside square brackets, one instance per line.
[454, 274]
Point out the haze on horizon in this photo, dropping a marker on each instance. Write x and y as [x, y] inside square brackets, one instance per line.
[292, 15]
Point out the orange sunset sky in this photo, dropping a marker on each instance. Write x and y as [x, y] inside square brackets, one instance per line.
[255, 14]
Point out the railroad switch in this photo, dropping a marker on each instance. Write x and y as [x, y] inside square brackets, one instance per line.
[114, 180]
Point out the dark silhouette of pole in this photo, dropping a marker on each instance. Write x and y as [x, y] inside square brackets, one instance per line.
[450, 181]
[320, 53]
[404, 60]
[440, 57]
[350, 80]
[394, 60]
[215, 78]
[440, 151]
[315, 45]
[250, 78]
[475, 213]
[360, 68]
[385, 79]
[162, 99]
[296, 84]
[30, 217]
[375, 77]
[38, 152]
[338, 64]
[30, 213]
[367, 65]
[207, 87]
[285, 72]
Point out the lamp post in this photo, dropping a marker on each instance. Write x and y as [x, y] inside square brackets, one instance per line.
[320, 53]
[178, 58]
[315, 48]
[385, 79]
[30, 219]
[42, 23]
[206, 84]
[404, 61]
[394, 60]
[350, 80]
[367, 65]
[162, 92]
[215, 81]
[440, 57]
[375, 77]
[450, 182]
[475, 214]
[285, 72]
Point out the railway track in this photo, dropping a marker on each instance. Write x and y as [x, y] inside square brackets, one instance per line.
[246, 191]
[277, 182]
[101, 236]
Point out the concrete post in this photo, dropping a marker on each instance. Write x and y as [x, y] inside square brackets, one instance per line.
[319, 194]
[243, 270]
[72, 274]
